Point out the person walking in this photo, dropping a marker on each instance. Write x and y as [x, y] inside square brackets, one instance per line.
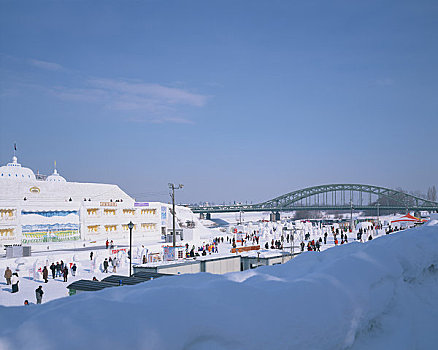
[8, 275]
[58, 269]
[65, 273]
[105, 266]
[114, 264]
[14, 281]
[73, 270]
[53, 269]
[45, 274]
[91, 255]
[39, 294]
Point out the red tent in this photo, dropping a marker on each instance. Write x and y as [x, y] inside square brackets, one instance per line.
[407, 218]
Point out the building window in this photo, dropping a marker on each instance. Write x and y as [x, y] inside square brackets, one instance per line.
[148, 211]
[148, 226]
[110, 228]
[93, 228]
[109, 212]
[92, 211]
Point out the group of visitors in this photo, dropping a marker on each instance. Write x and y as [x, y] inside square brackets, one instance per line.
[59, 270]
[109, 245]
[13, 281]
[392, 229]
[113, 262]
[253, 238]
[344, 238]
[206, 248]
[313, 246]
[275, 244]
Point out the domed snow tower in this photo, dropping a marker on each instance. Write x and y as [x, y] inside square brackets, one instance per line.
[14, 171]
[55, 177]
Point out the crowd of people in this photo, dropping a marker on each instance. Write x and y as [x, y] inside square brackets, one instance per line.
[63, 270]
[203, 250]
[113, 262]
[60, 269]
[13, 280]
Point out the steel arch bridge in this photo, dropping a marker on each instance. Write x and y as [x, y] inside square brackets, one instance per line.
[331, 197]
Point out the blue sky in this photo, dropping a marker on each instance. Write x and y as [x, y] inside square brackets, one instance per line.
[237, 100]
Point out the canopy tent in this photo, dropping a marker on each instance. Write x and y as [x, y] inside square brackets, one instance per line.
[407, 218]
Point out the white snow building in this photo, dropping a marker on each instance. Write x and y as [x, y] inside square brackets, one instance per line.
[37, 209]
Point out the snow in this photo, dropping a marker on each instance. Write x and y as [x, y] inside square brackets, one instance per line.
[376, 295]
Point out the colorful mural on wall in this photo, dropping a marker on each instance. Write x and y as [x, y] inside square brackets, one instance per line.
[50, 233]
[48, 230]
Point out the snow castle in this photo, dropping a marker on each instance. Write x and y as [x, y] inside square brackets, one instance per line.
[35, 208]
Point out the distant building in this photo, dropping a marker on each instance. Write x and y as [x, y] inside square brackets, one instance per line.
[36, 209]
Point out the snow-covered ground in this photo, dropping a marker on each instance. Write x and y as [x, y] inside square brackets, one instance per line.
[79, 252]
[382, 294]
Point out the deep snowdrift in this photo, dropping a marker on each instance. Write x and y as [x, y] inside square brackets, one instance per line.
[381, 294]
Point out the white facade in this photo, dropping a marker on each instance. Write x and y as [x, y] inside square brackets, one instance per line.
[34, 209]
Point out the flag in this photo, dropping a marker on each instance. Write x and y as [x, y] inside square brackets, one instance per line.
[15, 146]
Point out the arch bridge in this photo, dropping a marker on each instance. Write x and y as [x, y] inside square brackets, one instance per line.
[331, 197]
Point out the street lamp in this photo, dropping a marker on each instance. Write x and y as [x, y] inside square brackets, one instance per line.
[172, 195]
[130, 226]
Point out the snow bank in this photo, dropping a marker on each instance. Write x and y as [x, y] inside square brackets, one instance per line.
[382, 294]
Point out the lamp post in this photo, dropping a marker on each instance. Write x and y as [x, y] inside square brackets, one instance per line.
[130, 226]
[172, 195]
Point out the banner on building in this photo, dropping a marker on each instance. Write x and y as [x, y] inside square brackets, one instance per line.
[163, 216]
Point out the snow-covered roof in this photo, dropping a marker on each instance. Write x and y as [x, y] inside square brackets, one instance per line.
[55, 177]
[18, 183]
[14, 171]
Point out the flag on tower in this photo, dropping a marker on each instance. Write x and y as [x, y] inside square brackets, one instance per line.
[15, 146]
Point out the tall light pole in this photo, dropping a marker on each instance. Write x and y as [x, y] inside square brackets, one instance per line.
[172, 195]
[130, 226]
[351, 216]
[378, 214]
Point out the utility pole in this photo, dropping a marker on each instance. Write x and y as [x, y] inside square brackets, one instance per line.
[351, 216]
[378, 214]
[293, 242]
[172, 195]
